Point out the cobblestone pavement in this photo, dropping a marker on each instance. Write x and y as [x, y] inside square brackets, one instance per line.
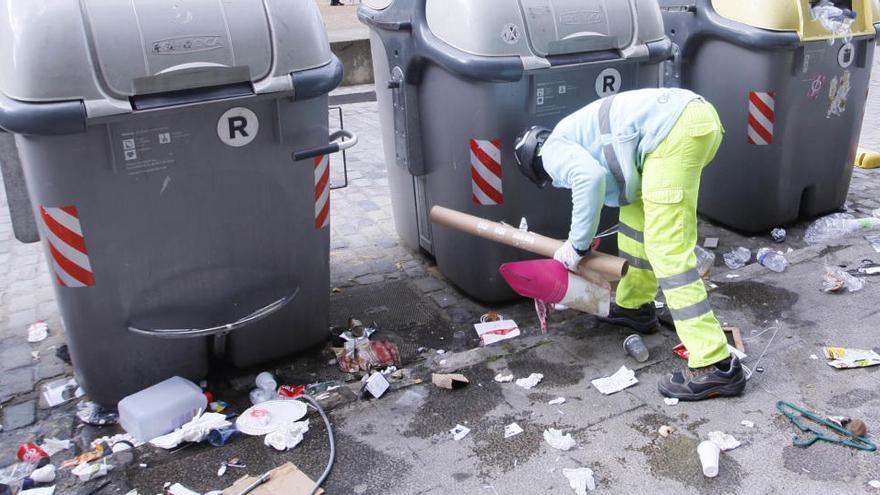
[364, 252]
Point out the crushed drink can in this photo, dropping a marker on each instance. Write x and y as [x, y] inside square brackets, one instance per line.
[31, 453]
[778, 235]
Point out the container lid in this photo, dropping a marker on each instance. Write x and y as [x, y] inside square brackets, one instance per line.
[795, 16]
[108, 51]
[543, 28]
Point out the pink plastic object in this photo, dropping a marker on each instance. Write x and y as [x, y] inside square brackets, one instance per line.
[544, 280]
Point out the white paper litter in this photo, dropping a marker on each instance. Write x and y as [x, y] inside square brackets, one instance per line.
[178, 489]
[874, 483]
[496, 331]
[61, 390]
[530, 381]
[37, 331]
[580, 480]
[52, 446]
[747, 423]
[814, 357]
[557, 401]
[288, 436]
[558, 440]
[45, 474]
[512, 430]
[195, 431]
[377, 385]
[503, 378]
[670, 401]
[665, 430]
[624, 378]
[459, 432]
[85, 471]
[723, 440]
[45, 490]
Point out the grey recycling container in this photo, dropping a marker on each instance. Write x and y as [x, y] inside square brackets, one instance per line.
[23, 224]
[156, 140]
[790, 100]
[457, 80]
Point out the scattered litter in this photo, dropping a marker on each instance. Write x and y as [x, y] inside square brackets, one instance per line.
[837, 225]
[820, 428]
[441, 351]
[85, 471]
[291, 391]
[512, 430]
[623, 378]
[45, 474]
[659, 304]
[116, 443]
[814, 357]
[709, 453]
[35, 355]
[866, 269]
[218, 406]
[93, 414]
[772, 260]
[874, 484]
[38, 331]
[491, 332]
[559, 440]
[459, 432]
[269, 416]
[530, 381]
[376, 384]
[449, 381]
[53, 445]
[759, 369]
[285, 479]
[670, 401]
[778, 234]
[60, 391]
[580, 480]
[665, 430]
[732, 275]
[836, 279]
[44, 490]
[710, 243]
[737, 258]
[30, 453]
[858, 428]
[218, 437]
[557, 401]
[359, 353]
[635, 347]
[503, 378]
[747, 423]
[842, 358]
[724, 441]
[705, 261]
[235, 462]
[178, 489]
[288, 436]
[874, 240]
[196, 430]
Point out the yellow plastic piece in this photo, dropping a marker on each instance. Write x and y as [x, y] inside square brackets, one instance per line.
[867, 158]
[794, 15]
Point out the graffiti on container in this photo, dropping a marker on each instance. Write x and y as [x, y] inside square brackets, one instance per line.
[816, 85]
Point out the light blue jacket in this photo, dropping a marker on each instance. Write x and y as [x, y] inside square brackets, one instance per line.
[628, 126]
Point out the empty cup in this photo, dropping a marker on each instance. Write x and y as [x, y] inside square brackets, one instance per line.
[635, 347]
[709, 452]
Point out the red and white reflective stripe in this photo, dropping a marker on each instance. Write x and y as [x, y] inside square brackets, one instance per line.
[762, 115]
[486, 172]
[67, 246]
[322, 191]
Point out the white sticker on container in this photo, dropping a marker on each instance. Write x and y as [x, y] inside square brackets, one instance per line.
[846, 55]
[238, 126]
[609, 82]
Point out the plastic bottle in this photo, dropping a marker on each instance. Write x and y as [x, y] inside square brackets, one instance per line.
[737, 258]
[772, 260]
[705, 260]
[266, 381]
[838, 225]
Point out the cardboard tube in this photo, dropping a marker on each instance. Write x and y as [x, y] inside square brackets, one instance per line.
[609, 267]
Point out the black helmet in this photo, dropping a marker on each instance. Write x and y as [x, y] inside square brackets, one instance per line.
[527, 152]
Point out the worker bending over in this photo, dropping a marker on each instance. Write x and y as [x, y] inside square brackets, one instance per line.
[643, 151]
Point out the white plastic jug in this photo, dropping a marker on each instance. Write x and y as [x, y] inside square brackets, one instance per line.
[161, 409]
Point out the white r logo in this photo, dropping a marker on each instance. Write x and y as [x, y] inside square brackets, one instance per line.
[238, 127]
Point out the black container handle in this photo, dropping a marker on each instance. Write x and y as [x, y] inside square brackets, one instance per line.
[335, 145]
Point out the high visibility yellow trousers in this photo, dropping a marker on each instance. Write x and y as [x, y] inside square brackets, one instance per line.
[658, 234]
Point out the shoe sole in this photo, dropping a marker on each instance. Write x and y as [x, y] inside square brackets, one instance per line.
[730, 390]
[643, 328]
